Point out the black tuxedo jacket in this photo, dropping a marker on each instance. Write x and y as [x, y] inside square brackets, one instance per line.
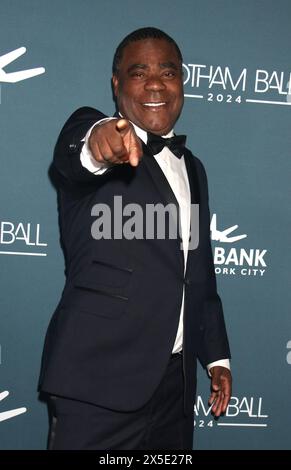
[112, 334]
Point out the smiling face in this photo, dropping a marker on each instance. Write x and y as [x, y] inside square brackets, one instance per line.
[148, 85]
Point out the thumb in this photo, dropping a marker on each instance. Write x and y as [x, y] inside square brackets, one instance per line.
[215, 381]
[215, 386]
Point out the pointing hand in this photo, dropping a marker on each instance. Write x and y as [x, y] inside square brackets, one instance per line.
[115, 142]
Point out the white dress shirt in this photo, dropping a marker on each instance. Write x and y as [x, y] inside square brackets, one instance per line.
[175, 171]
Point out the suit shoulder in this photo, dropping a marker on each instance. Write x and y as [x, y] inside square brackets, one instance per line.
[199, 164]
[85, 113]
[200, 168]
[80, 121]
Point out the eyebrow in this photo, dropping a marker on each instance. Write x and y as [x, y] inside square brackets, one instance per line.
[136, 66]
[169, 65]
[164, 65]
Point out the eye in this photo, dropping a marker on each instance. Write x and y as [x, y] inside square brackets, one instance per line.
[170, 74]
[137, 74]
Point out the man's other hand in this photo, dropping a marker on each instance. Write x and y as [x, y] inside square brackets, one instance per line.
[115, 142]
[221, 389]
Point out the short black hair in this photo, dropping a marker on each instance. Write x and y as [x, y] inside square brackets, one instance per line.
[139, 35]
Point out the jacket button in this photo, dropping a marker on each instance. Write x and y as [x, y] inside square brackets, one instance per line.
[186, 281]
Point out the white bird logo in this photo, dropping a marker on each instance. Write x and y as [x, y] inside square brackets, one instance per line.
[14, 77]
[4, 415]
[222, 236]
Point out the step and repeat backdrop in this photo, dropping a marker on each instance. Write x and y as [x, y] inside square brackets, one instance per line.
[55, 57]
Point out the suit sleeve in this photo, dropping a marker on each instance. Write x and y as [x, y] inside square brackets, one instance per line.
[214, 343]
[67, 151]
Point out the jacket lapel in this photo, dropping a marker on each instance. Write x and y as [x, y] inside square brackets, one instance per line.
[192, 177]
[165, 190]
[195, 199]
[168, 197]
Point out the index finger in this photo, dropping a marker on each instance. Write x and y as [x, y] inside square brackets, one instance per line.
[131, 141]
[122, 125]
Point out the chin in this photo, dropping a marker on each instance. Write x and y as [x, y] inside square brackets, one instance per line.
[159, 129]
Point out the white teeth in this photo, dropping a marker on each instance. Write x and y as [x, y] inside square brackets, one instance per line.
[154, 104]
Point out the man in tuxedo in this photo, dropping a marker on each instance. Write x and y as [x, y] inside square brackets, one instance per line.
[119, 362]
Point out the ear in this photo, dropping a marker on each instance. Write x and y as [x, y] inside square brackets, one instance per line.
[115, 83]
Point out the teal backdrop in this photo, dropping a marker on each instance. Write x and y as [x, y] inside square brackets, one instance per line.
[237, 116]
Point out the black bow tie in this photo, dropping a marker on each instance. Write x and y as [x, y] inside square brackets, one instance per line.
[176, 144]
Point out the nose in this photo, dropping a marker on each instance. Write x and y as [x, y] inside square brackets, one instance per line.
[154, 83]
